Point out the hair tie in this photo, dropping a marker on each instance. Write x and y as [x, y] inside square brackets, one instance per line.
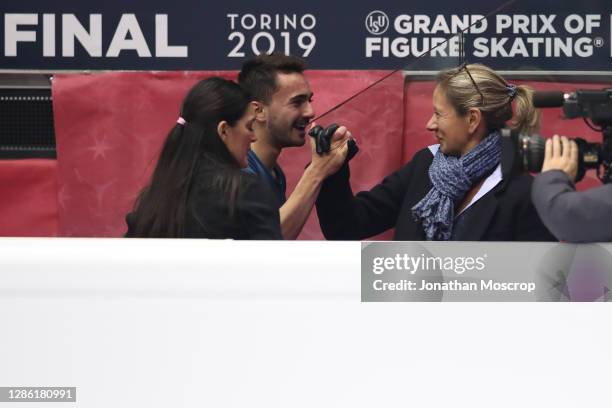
[181, 121]
[511, 90]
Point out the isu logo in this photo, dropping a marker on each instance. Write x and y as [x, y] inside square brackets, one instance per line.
[377, 22]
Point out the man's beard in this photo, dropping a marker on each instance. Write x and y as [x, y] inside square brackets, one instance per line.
[284, 136]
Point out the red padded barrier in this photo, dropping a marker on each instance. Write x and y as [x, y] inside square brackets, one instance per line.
[29, 205]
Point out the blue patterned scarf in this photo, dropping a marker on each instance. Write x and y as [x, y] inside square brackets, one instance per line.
[452, 178]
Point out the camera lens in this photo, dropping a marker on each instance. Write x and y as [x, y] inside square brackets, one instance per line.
[531, 152]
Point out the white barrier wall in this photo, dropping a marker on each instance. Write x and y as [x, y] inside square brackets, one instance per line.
[171, 323]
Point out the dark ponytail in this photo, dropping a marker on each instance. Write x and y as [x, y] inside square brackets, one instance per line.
[161, 207]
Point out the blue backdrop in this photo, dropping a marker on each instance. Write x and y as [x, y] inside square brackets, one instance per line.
[382, 34]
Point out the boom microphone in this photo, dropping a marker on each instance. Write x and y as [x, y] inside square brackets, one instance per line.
[548, 99]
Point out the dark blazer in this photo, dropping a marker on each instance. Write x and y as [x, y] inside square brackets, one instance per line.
[505, 213]
[207, 214]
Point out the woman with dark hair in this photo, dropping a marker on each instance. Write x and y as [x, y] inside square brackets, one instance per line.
[198, 189]
[467, 187]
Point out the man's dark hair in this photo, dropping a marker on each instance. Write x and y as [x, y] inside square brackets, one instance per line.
[258, 75]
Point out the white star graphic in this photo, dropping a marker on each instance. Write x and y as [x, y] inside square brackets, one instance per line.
[99, 147]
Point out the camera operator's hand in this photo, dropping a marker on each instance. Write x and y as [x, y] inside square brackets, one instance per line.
[329, 163]
[561, 154]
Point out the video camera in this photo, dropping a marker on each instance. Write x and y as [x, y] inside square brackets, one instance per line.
[592, 105]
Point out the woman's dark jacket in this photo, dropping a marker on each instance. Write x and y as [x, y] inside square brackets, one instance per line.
[505, 213]
[208, 213]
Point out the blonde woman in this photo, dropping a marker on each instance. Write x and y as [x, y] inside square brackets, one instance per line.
[465, 187]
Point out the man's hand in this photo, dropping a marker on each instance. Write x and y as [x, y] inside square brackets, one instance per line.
[561, 154]
[295, 211]
[330, 162]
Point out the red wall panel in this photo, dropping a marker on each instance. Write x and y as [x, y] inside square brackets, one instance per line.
[29, 199]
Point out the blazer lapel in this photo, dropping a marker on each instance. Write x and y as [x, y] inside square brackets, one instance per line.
[477, 227]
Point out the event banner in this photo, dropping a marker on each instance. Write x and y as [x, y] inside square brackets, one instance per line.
[543, 35]
[489, 272]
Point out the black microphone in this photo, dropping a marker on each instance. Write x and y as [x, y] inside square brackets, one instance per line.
[548, 99]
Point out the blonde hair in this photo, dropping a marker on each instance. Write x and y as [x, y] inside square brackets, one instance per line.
[496, 100]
